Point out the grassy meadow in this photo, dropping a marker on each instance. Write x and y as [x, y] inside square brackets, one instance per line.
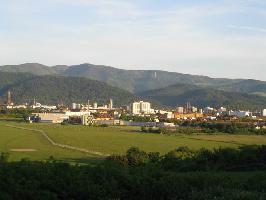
[110, 140]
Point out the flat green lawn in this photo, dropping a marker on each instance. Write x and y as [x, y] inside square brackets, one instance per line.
[22, 140]
[110, 140]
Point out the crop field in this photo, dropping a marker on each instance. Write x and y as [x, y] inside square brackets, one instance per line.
[27, 143]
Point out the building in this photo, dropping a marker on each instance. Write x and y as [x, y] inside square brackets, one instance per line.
[240, 114]
[111, 104]
[51, 117]
[208, 110]
[188, 116]
[76, 106]
[180, 110]
[86, 120]
[194, 109]
[141, 107]
[164, 115]
[8, 99]
[221, 112]
[263, 113]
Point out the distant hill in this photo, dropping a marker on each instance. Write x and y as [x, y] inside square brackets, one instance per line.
[137, 81]
[33, 68]
[131, 80]
[55, 89]
[246, 86]
[178, 95]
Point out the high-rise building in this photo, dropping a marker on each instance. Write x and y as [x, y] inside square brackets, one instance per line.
[8, 98]
[111, 104]
[76, 106]
[188, 108]
[264, 112]
[141, 108]
[88, 108]
[180, 110]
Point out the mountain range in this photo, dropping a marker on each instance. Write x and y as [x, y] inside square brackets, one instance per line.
[179, 94]
[49, 89]
[166, 88]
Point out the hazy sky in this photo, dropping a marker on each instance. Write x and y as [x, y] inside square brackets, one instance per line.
[220, 38]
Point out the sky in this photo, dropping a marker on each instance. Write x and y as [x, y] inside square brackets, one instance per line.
[218, 38]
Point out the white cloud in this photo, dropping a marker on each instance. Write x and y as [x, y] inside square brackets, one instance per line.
[249, 28]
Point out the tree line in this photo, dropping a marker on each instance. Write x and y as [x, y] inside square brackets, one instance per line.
[183, 173]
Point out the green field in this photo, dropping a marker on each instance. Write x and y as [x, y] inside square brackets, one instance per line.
[111, 140]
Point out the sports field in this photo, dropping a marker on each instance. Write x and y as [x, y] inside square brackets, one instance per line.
[32, 144]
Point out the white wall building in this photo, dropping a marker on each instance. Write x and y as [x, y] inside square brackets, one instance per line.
[263, 112]
[180, 110]
[240, 114]
[76, 106]
[141, 107]
[51, 117]
[208, 110]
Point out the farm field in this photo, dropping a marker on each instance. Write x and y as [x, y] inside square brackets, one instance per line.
[110, 140]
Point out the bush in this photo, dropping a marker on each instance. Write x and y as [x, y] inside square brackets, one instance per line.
[4, 157]
[104, 125]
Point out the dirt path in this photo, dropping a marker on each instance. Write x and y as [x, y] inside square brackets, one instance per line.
[52, 142]
[23, 150]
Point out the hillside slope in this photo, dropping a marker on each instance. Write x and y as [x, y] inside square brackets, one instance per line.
[56, 89]
[131, 80]
[33, 68]
[178, 95]
[136, 81]
[246, 86]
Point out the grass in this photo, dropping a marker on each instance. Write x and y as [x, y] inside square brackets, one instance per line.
[110, 140]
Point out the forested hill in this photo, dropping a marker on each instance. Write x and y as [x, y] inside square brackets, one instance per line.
[56, 89]
[51, 89]
[136, 81]
[178, 95]
[131, 80]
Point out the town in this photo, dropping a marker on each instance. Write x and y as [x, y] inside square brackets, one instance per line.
[138, 113]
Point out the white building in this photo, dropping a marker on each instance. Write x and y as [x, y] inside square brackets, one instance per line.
[194, 109]
[141, 107]
[208, 110]
[76, 106]
[111, 104]
[16, 107]
[169, 115]
[86, 120]
[51, 117]
[221, 110]
[263, 112]
[77, 114]
[180, 110]
[240, 114]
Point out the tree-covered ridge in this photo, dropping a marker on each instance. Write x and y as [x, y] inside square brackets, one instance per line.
[178, 95]
[57, 89]
[52, 89]
[139, 80]
[246, 86]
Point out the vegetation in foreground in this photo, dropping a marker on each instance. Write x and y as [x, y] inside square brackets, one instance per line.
[145, 176]
[194, 127]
